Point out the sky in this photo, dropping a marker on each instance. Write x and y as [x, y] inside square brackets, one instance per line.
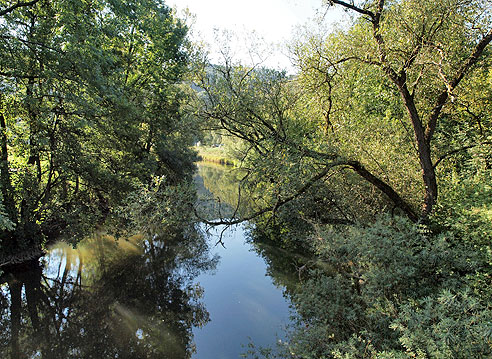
[271, 20]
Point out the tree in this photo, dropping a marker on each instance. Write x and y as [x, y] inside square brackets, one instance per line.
[370, 99]
[90, 110]
[425, 51]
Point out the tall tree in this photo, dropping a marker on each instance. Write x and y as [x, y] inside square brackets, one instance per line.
[369, 99]
[90, 109]
[424, 50]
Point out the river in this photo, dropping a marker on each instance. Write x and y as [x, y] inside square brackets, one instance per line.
[180, 296]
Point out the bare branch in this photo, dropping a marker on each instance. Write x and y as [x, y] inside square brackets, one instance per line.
[353, 7]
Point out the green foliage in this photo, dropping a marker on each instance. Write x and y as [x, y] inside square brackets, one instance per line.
[277, 143]
[397, 103]
[216, 154]
[5, 222]
[449, 325]
[157, 209]
[377, 106]
[92, 102]
[346, 75]
[393, 289]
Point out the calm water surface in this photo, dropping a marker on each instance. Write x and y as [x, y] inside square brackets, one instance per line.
[166, 296]
[243, 303]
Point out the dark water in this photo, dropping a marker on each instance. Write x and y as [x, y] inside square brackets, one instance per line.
[168, 296]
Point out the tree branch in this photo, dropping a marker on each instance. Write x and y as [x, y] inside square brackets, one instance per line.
[353, 7]
[385, 188]
[17, 5]
[462, 71]
[279, 203]
[397, 200]
[444, 156]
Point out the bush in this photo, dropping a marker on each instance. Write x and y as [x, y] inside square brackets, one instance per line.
[391, 289]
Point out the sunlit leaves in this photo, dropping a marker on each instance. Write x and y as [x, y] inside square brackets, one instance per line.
[92, 103]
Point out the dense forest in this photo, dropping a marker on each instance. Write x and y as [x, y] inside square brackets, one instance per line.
[374, 160]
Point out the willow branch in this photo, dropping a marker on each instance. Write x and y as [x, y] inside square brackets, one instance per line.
[385, 188]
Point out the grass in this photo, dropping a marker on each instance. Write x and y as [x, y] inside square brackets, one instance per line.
[214, 155]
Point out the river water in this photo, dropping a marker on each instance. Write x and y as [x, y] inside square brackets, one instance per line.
[243, 303]
[177, 296]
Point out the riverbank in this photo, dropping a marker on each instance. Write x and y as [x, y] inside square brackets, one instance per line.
[215, 155]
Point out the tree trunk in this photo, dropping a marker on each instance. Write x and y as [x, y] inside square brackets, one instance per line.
[424, 153]
[34, 158]
[6, 184]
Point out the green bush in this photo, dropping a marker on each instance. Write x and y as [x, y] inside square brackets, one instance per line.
[392, 289]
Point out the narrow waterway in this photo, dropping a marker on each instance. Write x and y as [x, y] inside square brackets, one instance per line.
[176, 295]
[243, 303]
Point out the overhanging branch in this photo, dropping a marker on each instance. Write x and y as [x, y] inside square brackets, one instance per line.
[356, 166]
[17, 5]
[385, 188]
[279, 203]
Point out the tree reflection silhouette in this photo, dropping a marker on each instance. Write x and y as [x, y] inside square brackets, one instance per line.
[127, 298]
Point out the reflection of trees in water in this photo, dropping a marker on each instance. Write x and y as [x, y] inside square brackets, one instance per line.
[218, 190]
[108, 299]
[283, 265]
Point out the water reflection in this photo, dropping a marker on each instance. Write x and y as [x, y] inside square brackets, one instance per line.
[218, 191]
[131, 298]
[244, 303]
[150, 296]
[248, 296]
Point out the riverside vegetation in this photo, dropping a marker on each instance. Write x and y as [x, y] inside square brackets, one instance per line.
[90, 112]
[373, 162]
